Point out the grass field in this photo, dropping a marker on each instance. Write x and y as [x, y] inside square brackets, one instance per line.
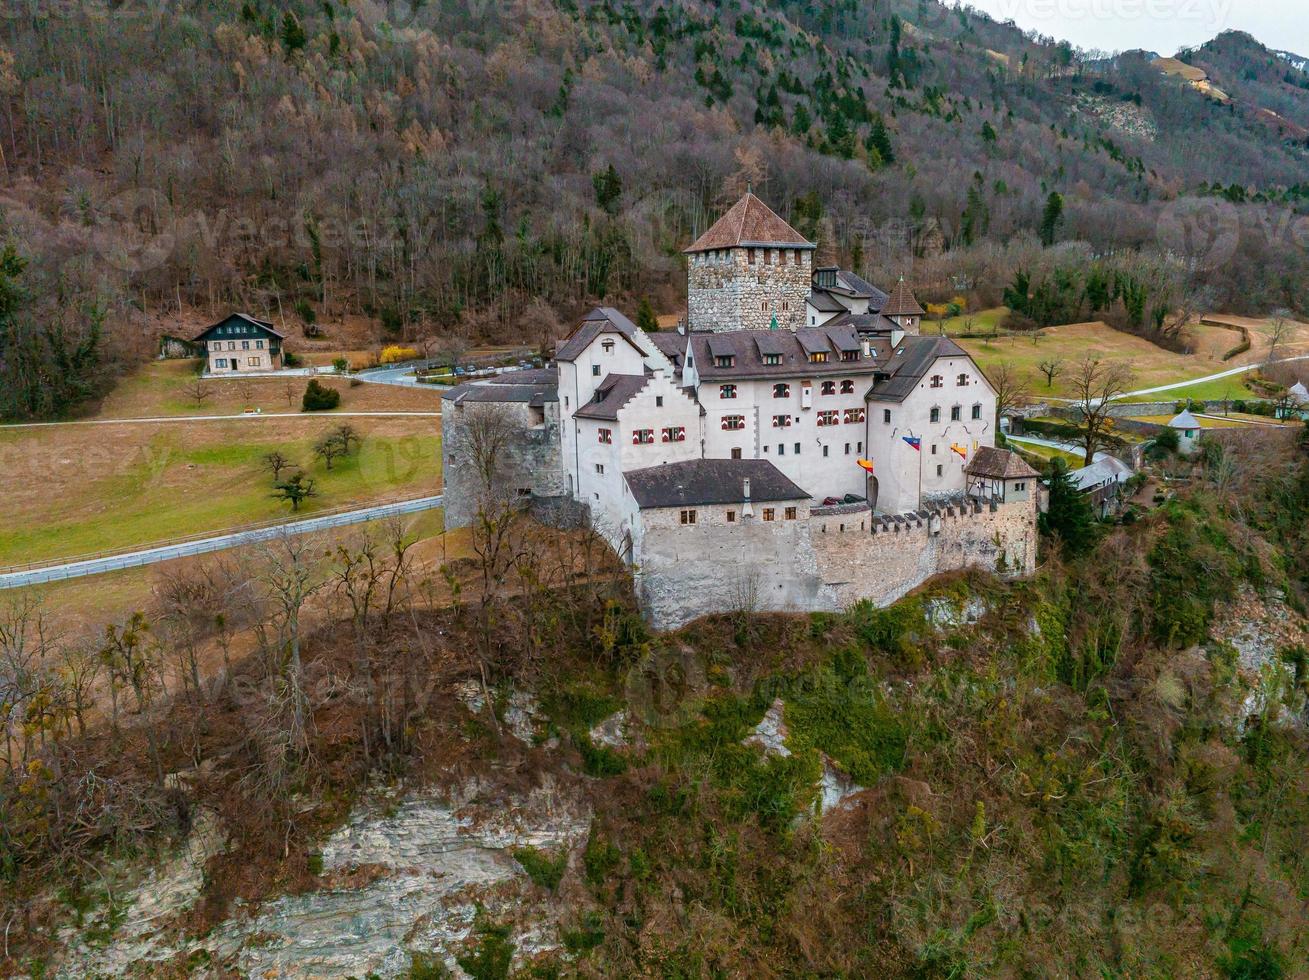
[1073, 460]
[1234, 421]
[1151, 365]
[75, 490]
[159, 389]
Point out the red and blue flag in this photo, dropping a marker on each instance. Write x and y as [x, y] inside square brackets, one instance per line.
[914, 441]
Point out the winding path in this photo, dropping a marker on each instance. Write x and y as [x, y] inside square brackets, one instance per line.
[223, 418]
[148, 556]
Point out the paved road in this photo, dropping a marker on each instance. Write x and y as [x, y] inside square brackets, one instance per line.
[1067, 447]
[148, 556]
[403, 376]
[225, 418]
[1232, 372]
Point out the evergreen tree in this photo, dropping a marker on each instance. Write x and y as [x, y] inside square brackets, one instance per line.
[879, 141]
[608, 188]
[1069, 515]
[988, 133]
[645, 316]
[1054, 213]
[293, 35]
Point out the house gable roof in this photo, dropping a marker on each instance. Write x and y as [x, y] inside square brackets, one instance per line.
[790, 350]
[913, 358]
[615, 391]
[603, 319]
[699, 482]
[244, 325]
[1000, 464]
[1185, 421]
[749, 222]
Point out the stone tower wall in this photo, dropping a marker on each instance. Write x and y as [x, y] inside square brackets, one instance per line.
[725, 291]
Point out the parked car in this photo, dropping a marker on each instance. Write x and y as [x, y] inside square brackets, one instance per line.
[831, 501]
[854, 498]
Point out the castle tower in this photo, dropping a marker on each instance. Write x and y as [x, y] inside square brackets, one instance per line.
[750, 271]
[903, 308]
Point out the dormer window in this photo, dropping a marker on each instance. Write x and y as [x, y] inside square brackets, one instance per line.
[818, 357]
[849, 355]
[772, 360]
[724, 361]
[781, 391]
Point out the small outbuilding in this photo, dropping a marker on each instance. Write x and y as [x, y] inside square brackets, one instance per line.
[1188, 432]
[1000, 475]
[241, 343]
[1299, 393]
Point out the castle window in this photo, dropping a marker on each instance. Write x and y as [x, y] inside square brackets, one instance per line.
[781, 391]
[733, 422]
[792, 513]
[786, 305]
[977, 411]
[749, 256]
[642, 437]
[781, 421]
[763, 307]
[824, 452]
[736, 452]
[940, 470]
[847, 449]
[727, 391]
[781, 449]
[860, 447]
[854, 415]
[1020, 486]
[847, 387]
[827, 418]
[688, 517]
[731, 517]
[933, 449]
[936, 415]
[675, 433]
[829, 388]
[595, 370]
[659, 401]
[770, 514]
[956, 413]
[600, 468]
[607, 436]
[797, 449]
[886, 416]
[768, 256]
[962, 381]
[608, 346]
[938, 381]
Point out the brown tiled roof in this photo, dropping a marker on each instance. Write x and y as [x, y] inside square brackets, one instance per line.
[749, 222]
[899, 376]
[699, 482]
[603, 319]
[1000, 464]
[902, 302]
[615, 391]
[748, 347]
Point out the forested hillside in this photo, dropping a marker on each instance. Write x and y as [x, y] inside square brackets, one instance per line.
[489, 169]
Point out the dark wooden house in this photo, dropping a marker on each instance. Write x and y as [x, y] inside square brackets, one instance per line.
[241, 343]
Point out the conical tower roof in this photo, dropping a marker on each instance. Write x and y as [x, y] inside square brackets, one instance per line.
[902, 302]
[750, 223]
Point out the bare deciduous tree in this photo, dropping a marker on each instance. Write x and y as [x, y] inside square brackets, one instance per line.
[1051, 367]
[196, 390]
[1096, 384]
[1010, 389]
[275, 462]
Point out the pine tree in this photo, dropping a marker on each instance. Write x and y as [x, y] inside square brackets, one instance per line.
[293, 35]
[1054, 212]
[645, 316]
[879, 140]
[1069, 515]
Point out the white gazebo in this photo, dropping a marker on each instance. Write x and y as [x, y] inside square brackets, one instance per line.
[1188, 432]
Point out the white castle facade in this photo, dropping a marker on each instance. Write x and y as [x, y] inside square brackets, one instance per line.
[797, 446]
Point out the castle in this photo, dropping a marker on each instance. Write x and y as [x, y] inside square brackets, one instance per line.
[797, 445]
